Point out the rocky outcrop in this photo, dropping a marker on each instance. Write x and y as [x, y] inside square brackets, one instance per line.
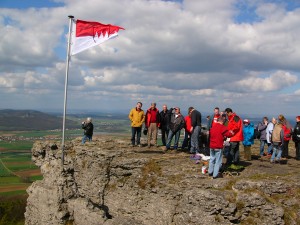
[109, 182]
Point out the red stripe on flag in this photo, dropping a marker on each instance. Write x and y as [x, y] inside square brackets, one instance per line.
[89, 28]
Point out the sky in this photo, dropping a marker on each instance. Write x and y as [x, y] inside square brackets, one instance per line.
[241, 54]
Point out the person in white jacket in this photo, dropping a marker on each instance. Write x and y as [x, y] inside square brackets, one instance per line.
[269, 131]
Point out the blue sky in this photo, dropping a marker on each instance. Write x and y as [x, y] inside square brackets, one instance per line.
[23, 4]
[238, 54]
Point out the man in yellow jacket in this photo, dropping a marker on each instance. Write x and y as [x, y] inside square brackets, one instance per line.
[137, 118]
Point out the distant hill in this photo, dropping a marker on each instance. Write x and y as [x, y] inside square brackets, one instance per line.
[31, 120]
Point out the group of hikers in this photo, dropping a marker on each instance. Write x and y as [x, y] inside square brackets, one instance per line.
[223, 134]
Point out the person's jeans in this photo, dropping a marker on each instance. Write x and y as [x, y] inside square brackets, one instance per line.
[170, 137]
[86, 137]
[164, 136]
[262, 146]
[186, 141]
[270, 148]
[215, 161]
[226, 151]
[195, 140]
[234, 153]
[136, 131]
[277, 150]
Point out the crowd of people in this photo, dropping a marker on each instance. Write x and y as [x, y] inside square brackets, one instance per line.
[222, 137]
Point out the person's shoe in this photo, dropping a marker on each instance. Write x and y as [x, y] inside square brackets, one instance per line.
[210, 174]
[139, 145]
[272, 161]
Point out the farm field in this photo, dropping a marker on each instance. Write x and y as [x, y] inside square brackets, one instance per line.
[17, 171]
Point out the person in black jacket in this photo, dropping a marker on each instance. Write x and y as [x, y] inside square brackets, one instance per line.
[176, 124]
[164, 124]
[296, 137]
[88, 129]
[195, 129]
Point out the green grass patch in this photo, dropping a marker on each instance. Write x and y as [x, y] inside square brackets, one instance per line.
[37, 177]
[17, 145]
[13, 193]
[9, 180]
[23, 158]
[21, 167]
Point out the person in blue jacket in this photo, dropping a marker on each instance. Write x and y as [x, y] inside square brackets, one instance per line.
[248, 132]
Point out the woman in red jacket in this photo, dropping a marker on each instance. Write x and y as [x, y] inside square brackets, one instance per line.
[218, 133]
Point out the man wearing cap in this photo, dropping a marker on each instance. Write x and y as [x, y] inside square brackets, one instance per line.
[235, 127]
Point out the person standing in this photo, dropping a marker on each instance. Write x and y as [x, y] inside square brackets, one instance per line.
[152, 123]
[218, 133]
[164, 117]
[277, 141]
[235, 126]
[210, 122]
[287, 135]
[296, 137]
[269, 131]
[248, 133]
[195, 129]
[176, 124]
[213, 118]
[88, 130]
[137, 118]
[262, 126]
[187, 134]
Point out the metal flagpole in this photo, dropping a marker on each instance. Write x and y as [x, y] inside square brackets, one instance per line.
[66, 87]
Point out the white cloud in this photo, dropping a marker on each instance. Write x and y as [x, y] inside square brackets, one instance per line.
[274, 82]
[193, 53]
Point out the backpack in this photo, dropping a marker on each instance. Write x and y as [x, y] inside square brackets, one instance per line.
[276, 133]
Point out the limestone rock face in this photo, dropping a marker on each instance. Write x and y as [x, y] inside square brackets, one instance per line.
[109, 182]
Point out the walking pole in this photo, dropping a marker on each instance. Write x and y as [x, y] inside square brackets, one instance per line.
[66, 87]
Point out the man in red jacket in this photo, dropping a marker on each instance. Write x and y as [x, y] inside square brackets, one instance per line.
[152, 123]
[235, 127]
[218, 133]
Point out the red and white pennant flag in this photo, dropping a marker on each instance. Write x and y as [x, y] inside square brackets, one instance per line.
[87, 34]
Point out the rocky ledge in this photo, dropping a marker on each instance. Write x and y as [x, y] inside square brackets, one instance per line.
[109, 182]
